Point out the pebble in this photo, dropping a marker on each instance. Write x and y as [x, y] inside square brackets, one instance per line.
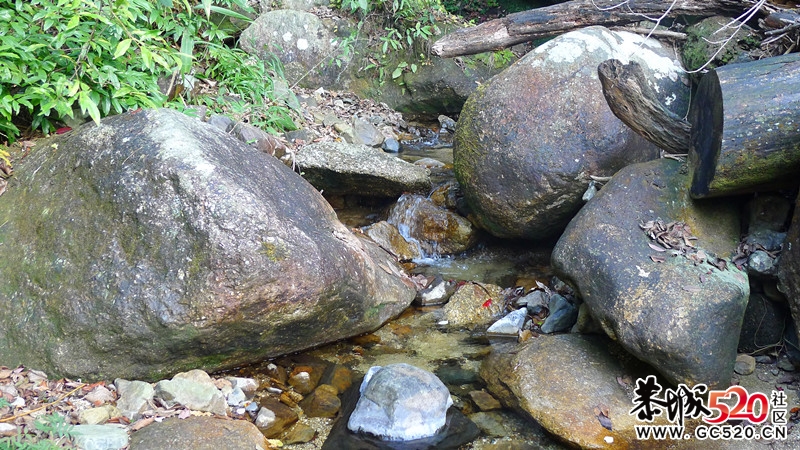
[745, 364]
[563, 315]
[765, 359]
[785, 364]
[484, 400]
[393, 400]
[274, 417]
[236, 397]
[299, 433]
[490, 423]
[7, 429]
[194, 390]
[323, 402]
[134, 397]
[391, 145]
[510, 324]
[99, 415]
[338, 376]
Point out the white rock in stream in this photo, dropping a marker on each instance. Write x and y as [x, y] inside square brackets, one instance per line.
[400, 402]
[510, 324]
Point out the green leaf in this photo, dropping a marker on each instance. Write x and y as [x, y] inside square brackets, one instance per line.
[229, 13]
[76, 85]
[397, 72]
[88, 105]
[73, 22]
[147, 57]
[414, 68]
[207, 7]
[187, 48]
[122, 48]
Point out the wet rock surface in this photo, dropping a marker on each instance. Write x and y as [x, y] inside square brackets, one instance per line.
[435, 230]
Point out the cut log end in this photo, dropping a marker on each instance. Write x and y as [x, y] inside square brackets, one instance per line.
[707, 121]
[635, 103]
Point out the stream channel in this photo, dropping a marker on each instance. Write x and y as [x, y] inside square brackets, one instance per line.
[420, 337]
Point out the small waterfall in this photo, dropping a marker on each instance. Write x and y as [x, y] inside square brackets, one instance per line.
[405, 216]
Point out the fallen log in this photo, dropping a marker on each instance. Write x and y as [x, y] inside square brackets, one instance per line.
[556, 19]
[635, 103]
[746, 128]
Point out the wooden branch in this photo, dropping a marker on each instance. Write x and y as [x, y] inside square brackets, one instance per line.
[635, 103]
[744, 128]
[557, 19]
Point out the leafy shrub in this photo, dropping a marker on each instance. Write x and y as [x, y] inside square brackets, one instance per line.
[50, 431]
[100, 57]
[408, 25]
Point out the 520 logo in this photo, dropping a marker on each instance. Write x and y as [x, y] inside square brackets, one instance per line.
[684, 402]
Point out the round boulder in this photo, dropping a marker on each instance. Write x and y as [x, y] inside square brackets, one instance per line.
[527, 141]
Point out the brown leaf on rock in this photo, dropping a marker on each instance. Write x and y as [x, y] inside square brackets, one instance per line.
[601, 412]
[657, 248]
[658, 259]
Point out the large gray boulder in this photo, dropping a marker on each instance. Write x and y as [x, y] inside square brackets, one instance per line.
[319, 51]
[682, 314]
[305, 45]
[527, 141]
[154, 243]
[339, 168]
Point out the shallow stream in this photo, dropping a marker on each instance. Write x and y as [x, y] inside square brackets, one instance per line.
[420, 337]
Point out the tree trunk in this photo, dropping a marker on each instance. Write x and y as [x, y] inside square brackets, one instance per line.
[746, 127]
[557, 19]
[635, 103]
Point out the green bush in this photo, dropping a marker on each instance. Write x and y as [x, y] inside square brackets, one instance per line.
[100, 57]
[408, 26]
[49, 433]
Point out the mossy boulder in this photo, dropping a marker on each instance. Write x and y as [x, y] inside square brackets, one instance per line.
[528, 141]
[678, 309]
[154, 243]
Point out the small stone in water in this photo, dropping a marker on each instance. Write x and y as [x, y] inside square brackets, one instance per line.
[510, 324]
[484, 400]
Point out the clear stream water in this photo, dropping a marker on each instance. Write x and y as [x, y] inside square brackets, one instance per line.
[417, 338]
